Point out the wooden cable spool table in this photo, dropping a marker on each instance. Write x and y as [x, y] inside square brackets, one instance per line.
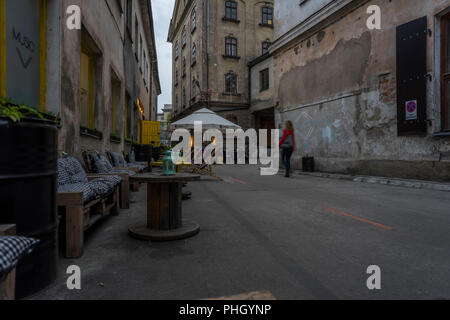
[164, 208]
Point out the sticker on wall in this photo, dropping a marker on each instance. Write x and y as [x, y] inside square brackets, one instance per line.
[411, 110]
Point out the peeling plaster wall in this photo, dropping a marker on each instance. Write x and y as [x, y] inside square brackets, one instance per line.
[338, 86]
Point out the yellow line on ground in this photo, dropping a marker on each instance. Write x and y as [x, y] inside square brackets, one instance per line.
[345, 214]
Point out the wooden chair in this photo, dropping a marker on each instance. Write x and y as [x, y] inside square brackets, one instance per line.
[8, 284]
[205, 169]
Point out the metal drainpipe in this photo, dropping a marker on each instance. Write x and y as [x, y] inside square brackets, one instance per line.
[207, 51]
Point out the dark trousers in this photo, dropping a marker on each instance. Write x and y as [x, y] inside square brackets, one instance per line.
[286, 157]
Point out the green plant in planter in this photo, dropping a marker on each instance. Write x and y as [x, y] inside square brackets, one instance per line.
[17, 112]
[115, 136]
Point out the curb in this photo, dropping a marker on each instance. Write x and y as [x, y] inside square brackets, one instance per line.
[415, 184]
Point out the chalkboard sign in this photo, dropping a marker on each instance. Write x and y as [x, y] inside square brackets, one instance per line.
[23, 51]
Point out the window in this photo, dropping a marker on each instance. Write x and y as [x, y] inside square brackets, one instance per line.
[445, 72]
[230, 47]
[231, 10]
[231, 83]
[184, 67]
[193, 20]
[265, 47]
[267, 16]
[87, 96]
[184, 97]
[177, 50]
[194, 54]
[264, 80]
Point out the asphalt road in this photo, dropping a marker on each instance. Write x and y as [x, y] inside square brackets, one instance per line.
[298, 238]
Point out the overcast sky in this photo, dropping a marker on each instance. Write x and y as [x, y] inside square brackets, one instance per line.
[162, 12]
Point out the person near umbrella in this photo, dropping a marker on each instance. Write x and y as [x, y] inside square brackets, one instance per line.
[287, 144]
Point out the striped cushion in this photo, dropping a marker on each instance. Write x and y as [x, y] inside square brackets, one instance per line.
[118, 159]
[86, 188]
[70, 171]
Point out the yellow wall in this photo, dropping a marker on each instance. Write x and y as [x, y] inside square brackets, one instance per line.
[150, 132]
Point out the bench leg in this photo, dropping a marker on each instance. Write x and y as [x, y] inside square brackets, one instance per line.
[8, 286]
[135, 186]
[125, 194]
[115, 210]
[74, 231]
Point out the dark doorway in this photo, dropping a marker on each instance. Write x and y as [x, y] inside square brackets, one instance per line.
[265, 119]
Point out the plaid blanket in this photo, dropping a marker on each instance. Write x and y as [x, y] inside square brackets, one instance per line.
[13, 250]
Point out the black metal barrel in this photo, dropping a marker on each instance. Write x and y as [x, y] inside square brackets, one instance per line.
[28, 172]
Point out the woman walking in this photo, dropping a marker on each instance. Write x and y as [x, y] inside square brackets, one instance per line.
[287, 144]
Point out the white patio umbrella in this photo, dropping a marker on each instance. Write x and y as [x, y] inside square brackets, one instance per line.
[209, 120]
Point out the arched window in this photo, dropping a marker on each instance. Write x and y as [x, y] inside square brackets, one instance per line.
[231, 47]
[193, 20]
[231, 83]
[231, 10]
[194, 54]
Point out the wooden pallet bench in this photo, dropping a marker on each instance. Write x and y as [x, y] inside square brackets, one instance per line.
[8, 284]
[78, 216]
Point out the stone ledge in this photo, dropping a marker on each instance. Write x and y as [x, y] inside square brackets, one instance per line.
[416, 184]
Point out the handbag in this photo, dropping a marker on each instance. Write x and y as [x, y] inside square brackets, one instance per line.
[288, 143]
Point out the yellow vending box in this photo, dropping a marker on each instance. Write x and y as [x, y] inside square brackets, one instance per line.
[150, 133]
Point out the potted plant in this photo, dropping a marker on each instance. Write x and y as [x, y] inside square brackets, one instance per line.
[28, 171]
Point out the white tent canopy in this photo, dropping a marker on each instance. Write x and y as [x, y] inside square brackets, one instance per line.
[209, 120]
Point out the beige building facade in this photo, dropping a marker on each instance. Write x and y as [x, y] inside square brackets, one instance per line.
[213, 43]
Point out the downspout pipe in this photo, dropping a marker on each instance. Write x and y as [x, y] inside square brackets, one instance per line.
[208, 8]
